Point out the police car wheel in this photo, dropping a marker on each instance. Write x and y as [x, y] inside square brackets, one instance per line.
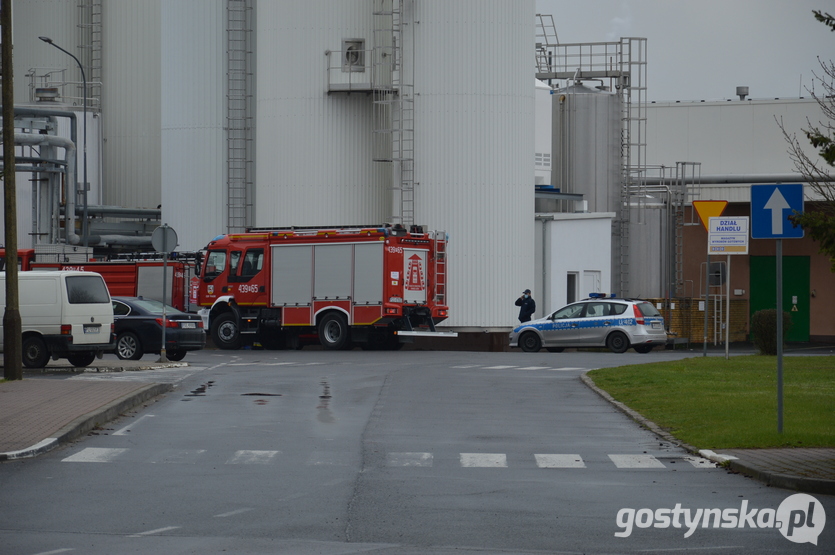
[617, 342]
[643, 349]
[555, 349]
[530, 342]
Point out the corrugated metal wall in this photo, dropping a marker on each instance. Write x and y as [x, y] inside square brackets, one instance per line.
[474, 140]
[192, 110]
[313, 150]
[131, 93]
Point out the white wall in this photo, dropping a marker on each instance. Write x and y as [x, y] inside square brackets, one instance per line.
[573, 243]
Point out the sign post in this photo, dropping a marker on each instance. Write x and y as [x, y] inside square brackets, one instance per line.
[728, 234]
[164, 240]
[707, 209]
[771, 206]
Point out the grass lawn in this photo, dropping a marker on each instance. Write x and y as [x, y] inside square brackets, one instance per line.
[714, 403]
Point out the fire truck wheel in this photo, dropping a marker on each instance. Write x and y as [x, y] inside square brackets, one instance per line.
[225, 332]
[334, 332]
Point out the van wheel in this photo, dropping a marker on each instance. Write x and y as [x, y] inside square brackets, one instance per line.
[334, 332]
[225, 332]
[530, 342]
[175, 355]
[128, 346]
[82, 359]
[617, 342]
[35, 353]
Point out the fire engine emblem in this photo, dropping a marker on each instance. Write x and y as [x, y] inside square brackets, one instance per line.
[415, 280]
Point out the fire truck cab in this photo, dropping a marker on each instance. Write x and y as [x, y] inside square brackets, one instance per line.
[377, 287]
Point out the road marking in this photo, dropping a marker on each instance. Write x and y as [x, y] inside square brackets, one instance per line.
[567, 368]
[636, 461]
[499, 367]
[95, 455]
[467, 366]
[535, 368]
[483, 460]
[56, 551]
[182, 456]
[252, 457]
[128, 428]
[152, 532]
[409, 459]
[559, 461]
[233, 513]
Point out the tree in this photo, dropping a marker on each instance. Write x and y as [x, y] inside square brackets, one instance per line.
[819, 222]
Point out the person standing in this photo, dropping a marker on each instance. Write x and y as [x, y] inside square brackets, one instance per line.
[528, 306]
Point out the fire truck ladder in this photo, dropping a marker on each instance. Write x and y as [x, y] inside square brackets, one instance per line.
[394, 112]
[439, 278]
[239, 121]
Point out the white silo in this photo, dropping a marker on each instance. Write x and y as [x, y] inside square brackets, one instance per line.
[314, 141]
[193, 141]
[474, 136]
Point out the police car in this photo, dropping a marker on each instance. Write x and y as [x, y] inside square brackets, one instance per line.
[598, 321]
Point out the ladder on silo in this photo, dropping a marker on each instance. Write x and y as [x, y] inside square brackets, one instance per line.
[239, 120]
[685, 186]
[546, 40]
[632, 88]
[394, 112]
[90, 26]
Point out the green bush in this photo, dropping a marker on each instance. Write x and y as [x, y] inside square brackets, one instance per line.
[764, 330]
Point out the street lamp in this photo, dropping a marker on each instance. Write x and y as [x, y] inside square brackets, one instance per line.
[84, 184]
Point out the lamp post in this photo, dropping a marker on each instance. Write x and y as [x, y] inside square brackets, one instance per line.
[84, 184]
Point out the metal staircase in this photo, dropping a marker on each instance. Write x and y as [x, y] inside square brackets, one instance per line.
[393, 98]
[239, 116]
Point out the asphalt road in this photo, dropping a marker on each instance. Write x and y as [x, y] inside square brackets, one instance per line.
[312, 451]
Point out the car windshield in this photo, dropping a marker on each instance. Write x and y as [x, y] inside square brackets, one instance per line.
[155, 307]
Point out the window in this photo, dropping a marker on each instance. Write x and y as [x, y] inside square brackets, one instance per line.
[253, 260]
[87, 289]
[215, 264]
[570, 311]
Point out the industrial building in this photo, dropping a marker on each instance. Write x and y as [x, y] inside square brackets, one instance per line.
[543, 161]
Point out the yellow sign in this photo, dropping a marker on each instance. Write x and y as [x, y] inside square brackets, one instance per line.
[708, 209]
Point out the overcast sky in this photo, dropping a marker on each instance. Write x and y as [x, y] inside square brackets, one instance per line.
[704, 49]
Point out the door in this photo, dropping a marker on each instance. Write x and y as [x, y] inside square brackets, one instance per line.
[796, 277]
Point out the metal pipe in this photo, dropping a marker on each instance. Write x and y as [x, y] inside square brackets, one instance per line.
[722, 179]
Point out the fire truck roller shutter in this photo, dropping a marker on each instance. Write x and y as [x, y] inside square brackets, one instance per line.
[368, 273]
[292, 275]
[333, 265]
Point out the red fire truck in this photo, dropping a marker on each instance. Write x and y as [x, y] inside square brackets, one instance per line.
[128, 275]
[376, 287]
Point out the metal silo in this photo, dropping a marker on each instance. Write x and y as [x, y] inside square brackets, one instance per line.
[474, 145]
[314, 117]
[586, 145]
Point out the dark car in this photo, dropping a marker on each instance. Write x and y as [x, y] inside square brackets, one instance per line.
[138, 325]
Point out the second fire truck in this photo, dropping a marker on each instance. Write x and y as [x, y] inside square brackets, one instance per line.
[376, 287]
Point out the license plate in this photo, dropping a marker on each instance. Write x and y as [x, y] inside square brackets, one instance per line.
[656, 325]
[92, 329]
[188, 325]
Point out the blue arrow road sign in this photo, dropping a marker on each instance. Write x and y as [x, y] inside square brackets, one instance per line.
[771, 206]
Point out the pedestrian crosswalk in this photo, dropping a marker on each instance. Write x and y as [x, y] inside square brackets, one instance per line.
[402, 459]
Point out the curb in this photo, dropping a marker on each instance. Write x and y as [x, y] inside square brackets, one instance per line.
[773, 479]
[87, 422]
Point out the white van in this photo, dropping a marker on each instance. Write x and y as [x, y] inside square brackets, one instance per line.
[63, 314]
